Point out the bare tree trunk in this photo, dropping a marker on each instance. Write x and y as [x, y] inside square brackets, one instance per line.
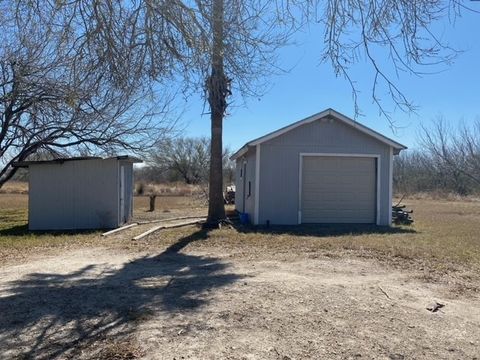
[217, 88]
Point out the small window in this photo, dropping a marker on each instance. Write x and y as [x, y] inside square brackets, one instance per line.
[249, 188]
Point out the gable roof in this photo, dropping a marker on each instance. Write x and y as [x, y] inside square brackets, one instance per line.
[328, 112]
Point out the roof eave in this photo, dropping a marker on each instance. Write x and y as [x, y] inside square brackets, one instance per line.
[128, 158]
[242, 151]
[26, 164]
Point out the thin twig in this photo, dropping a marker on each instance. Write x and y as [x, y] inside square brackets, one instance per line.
[384, 292]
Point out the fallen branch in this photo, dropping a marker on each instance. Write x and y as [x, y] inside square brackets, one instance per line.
[399, 201]
[119, 229]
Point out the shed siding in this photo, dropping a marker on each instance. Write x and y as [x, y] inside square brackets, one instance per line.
[239, 185]
[279, 164]
[249, 176]
[128, 188]
[73, 195]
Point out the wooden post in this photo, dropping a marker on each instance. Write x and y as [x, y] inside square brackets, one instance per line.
[152, 202]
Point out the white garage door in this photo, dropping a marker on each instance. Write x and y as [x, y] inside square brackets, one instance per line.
[337, 189]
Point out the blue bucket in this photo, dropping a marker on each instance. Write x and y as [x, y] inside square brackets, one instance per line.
[244, 218]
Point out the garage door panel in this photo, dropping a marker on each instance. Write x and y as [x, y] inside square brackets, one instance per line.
[339, 178]
[327, 213]
[347, 214]
[312, 175]
[338, 189]
[350, 195]
[337, 220]
[344, 198]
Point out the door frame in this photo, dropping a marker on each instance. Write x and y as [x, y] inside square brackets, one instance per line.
[377, 183]
[122, 194]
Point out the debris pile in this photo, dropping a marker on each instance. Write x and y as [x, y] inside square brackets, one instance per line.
[400, 216]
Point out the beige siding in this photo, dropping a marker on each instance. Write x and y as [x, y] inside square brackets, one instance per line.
[280, 166]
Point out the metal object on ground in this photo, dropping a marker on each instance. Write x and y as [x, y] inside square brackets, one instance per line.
[229, 195]
[400, 216]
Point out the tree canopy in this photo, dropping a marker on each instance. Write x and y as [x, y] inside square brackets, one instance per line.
[57, 99]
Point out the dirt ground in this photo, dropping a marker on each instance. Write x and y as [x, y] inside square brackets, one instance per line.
[187, 302]
[310, 292]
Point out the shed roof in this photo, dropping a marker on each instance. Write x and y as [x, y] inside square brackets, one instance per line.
[24, 164]
[328, 112]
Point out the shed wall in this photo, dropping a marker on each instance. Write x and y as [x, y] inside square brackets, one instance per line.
[249, 176]
[74, 195]
[239, 184]
[279, 166]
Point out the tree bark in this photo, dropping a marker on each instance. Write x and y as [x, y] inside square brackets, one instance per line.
[217, 91]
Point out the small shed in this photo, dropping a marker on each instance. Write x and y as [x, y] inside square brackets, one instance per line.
[80, 193]
[326, 168]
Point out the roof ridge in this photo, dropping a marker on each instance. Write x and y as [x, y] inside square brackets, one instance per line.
[329, 111]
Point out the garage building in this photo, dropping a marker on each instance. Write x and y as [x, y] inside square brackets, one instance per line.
[326, 168]
[80, 193]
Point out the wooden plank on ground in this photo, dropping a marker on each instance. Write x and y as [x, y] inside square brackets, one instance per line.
[119, 229]
[169, 219]
[169, 226]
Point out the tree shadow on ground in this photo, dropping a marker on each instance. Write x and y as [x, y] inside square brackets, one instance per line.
[51, 315]
[14, 230]
[323, 230]
[22, 230]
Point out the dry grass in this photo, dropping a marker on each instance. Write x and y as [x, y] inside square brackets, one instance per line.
[14, 201]
[445, 234]
[124, 350]
[445, 230]
[442, 196]
[176, 189]
[167, 207]
[16, 241]
[15, 187]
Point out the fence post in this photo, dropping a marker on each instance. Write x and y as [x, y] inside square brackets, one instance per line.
[152, 202]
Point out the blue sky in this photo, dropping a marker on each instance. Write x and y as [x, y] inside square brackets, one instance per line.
[311, 87]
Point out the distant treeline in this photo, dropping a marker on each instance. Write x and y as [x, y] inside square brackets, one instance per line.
[447, 160]
[184, 160]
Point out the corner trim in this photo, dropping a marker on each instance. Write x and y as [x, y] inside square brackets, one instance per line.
[257, 185]
[390, 186]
